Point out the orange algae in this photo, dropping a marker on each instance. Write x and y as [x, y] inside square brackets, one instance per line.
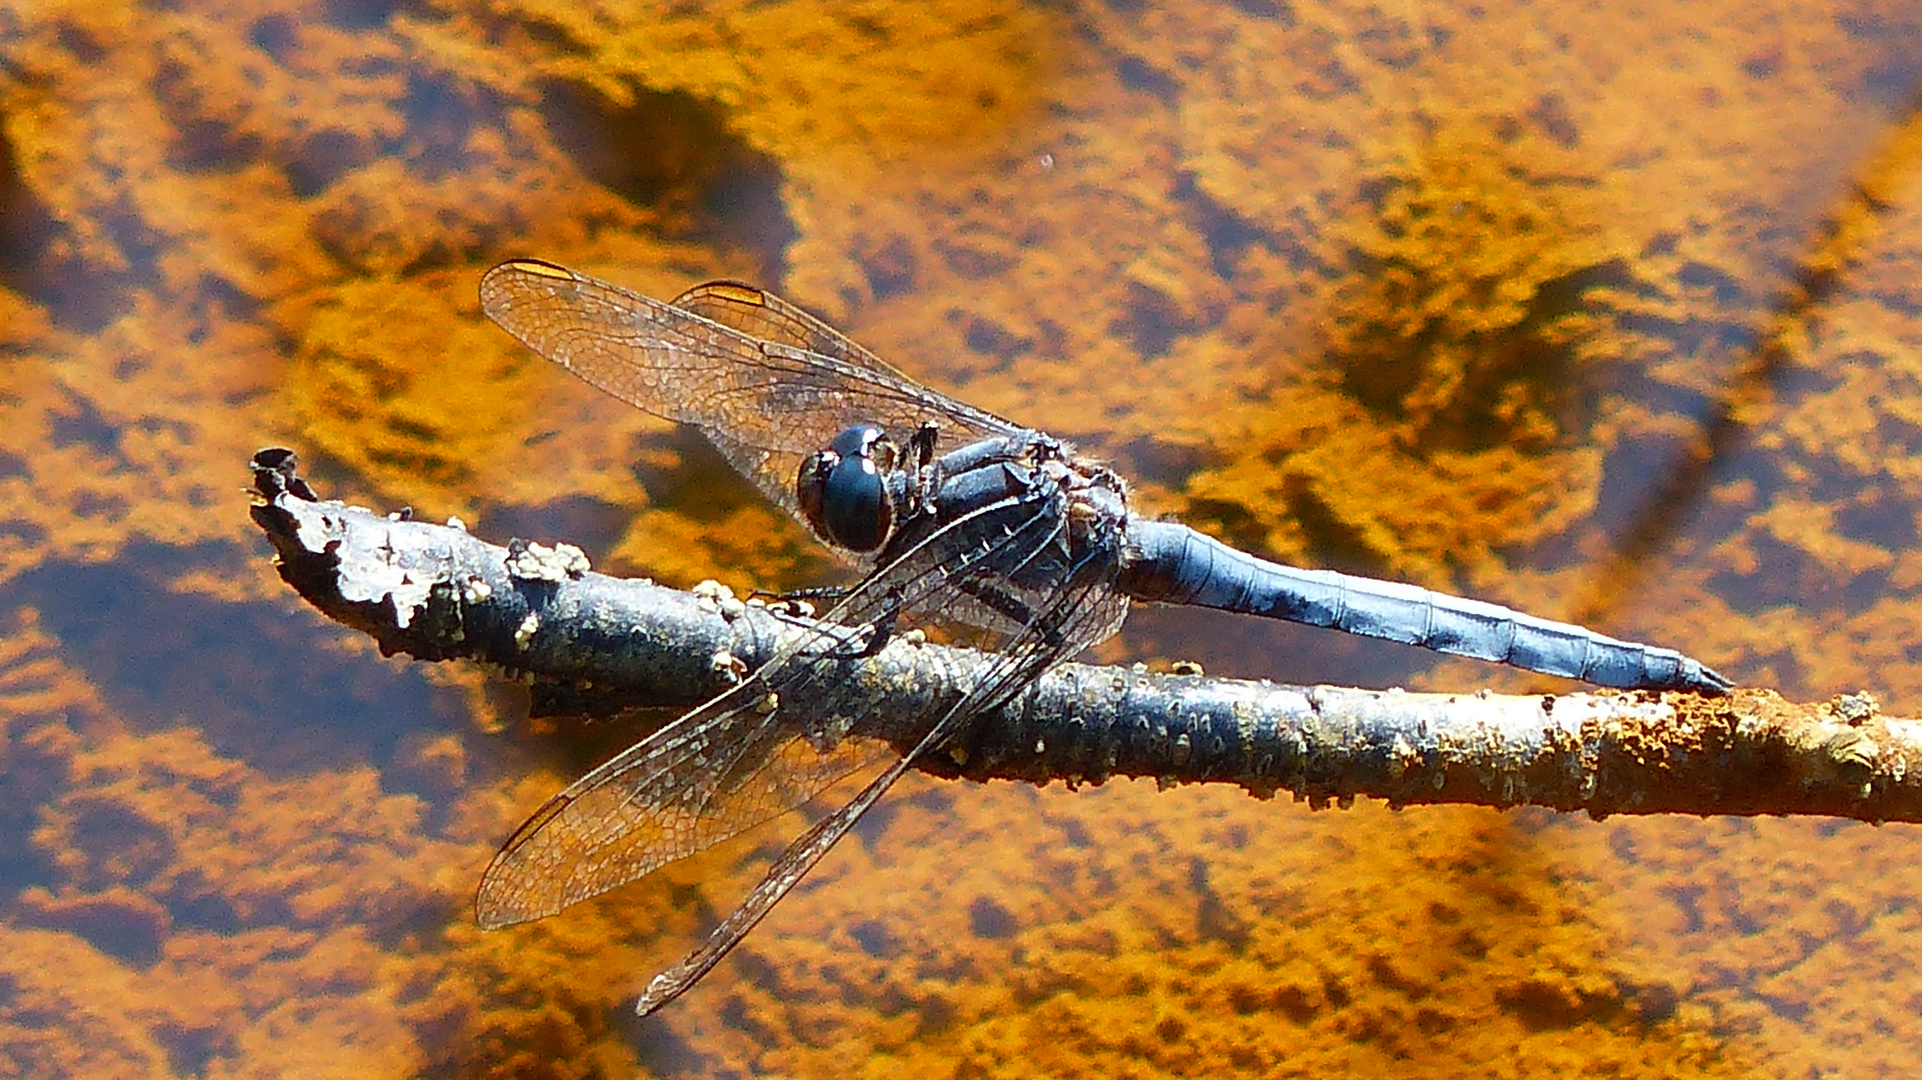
[1731, 902]
[191, 902]
[1443, 421]
[1096, 934]
[1183, 232]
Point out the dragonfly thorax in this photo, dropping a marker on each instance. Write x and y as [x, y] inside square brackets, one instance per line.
[843, 489]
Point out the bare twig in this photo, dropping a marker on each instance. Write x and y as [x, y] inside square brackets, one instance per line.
[437, 593]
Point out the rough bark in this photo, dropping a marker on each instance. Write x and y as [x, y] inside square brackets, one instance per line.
[437, 593]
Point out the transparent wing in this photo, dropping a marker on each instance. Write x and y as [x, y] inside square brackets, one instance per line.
[762, 315]
[765, 382]
[741, 759]
[1084, 612]
[720, 770]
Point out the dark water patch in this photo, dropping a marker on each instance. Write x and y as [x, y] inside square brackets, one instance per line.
[676, 152]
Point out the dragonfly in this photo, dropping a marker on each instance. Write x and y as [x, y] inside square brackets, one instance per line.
[951, 513]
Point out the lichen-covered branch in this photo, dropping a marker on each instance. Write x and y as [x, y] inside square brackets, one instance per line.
[437, 593]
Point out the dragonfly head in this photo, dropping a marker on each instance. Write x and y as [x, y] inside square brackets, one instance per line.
[843, 490]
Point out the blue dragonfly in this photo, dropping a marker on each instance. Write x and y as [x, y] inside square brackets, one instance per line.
[952, 513]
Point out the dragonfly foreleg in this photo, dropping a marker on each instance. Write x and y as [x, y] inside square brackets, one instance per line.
[795, 597]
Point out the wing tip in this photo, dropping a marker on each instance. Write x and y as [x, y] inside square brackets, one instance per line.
[505, 286]
[500, 903]
[739, 292]
[533, 267]
[493, 911]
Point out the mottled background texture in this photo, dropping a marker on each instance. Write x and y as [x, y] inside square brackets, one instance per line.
[1612, 312]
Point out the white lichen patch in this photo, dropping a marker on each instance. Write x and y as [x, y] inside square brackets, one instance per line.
[712, 596]
[538, 562]
[728, 666]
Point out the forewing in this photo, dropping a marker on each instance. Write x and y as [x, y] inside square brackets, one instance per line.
[767, 383]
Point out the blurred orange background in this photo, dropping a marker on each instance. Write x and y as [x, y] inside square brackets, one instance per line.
[1611, 313]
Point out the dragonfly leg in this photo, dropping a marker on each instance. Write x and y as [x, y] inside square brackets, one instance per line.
[791, 597]
[922, 442]
[878, 637]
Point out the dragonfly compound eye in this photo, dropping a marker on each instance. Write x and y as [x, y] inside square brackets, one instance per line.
[843, 490]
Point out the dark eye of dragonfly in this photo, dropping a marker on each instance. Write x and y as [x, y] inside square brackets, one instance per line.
[843, 490]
